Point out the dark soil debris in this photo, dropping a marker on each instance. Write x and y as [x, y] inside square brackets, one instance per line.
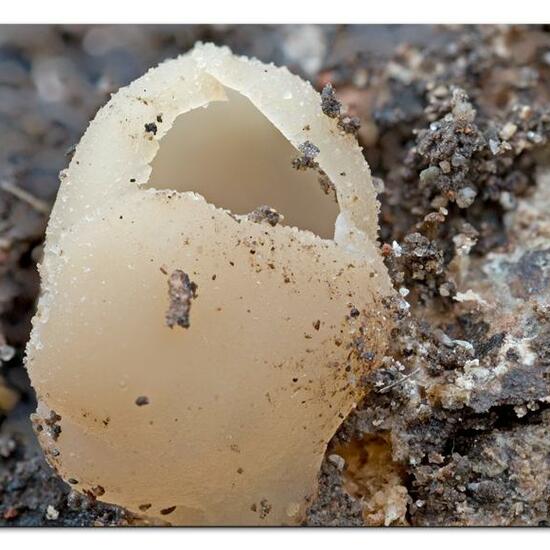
[333, 109]
[265, 214]
[181, 291]
[31, 494]
[307, 160]
[459, 133]
[329, 104]
[151, 128]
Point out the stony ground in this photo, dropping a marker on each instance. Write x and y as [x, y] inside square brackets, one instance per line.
[455, 124]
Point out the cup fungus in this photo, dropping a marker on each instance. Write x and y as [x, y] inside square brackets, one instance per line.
[193, 352]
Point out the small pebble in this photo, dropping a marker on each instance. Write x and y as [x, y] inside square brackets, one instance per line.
[338, 461]
[51, 513]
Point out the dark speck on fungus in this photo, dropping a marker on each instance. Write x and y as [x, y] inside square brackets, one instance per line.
[265, 213]
[181, 291]
[333, 109]
[307, 160]
[329, 104]
[151, 128]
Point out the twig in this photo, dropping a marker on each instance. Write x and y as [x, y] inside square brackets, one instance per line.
[36, 203]
[393, 384]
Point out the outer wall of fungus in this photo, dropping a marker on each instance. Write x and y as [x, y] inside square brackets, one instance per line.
[234, 411]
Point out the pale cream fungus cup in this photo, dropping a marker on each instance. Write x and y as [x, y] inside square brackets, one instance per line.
[192, 361]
